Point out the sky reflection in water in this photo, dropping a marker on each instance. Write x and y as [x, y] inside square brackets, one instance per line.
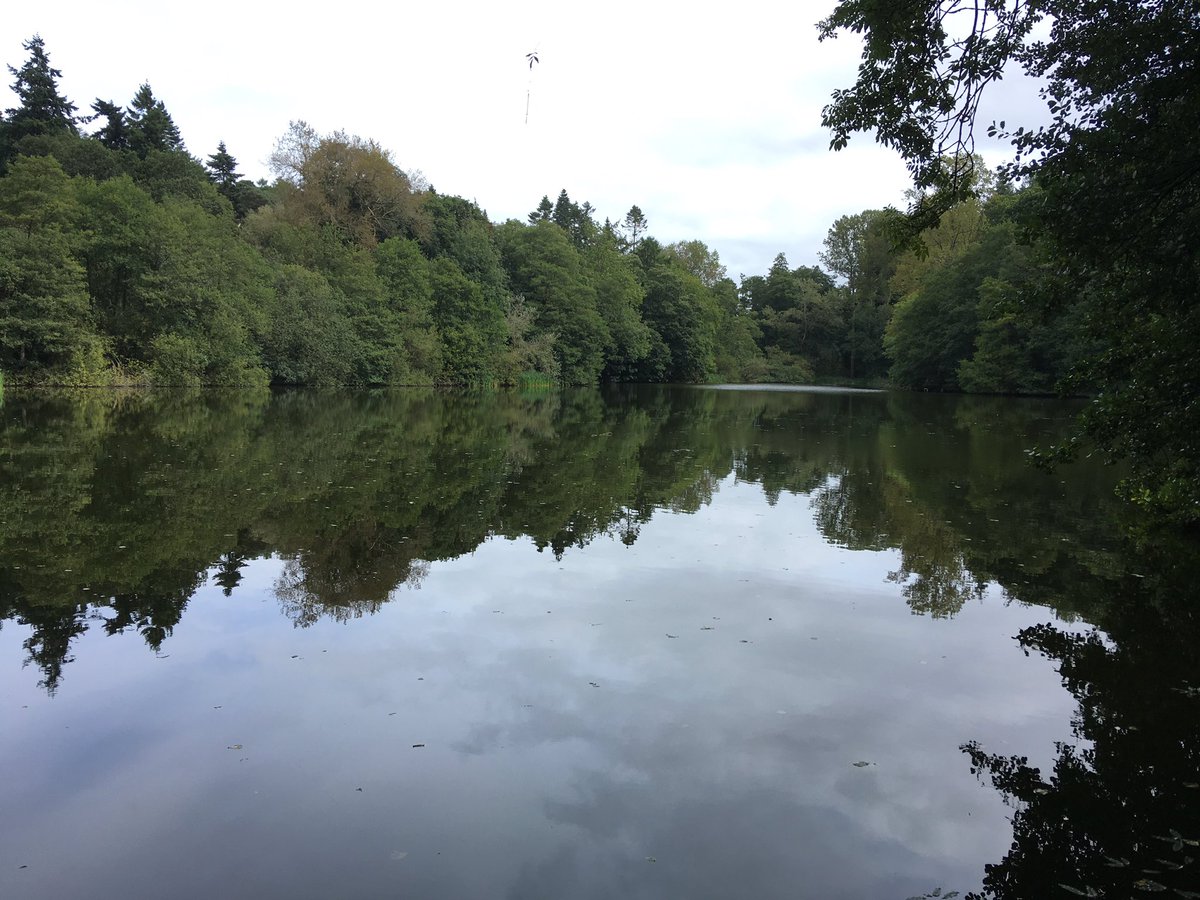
[678, 714]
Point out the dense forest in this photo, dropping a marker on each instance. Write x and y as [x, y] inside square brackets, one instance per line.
[125, 259]
[1113, 218]
[128, 259]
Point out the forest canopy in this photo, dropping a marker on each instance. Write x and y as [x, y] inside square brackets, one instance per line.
[125, 257]
[1109, 217]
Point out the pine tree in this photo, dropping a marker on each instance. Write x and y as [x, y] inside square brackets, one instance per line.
[634, 227]
[543, 212]
[43, 109]
[222, 170]
[574, 219]
[565, 212]
[115, 133]
[151, 126]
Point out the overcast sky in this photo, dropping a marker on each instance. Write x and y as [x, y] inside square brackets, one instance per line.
[707, 117]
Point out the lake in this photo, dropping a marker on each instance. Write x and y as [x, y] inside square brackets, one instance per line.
[629, 643]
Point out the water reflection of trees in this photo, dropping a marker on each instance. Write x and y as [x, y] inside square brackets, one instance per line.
[117, 508]
[305, 602]
[123, 505]
[1119, 813]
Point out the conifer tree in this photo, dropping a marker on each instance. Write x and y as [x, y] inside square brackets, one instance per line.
[222, 170]
[115, 133]
[43, 109]
[634, 227]
[574, 219]
[565, 212]
[151, 126]
[543, 212]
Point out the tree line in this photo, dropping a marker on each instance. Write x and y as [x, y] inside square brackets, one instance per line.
[1110, 223]
[128, 259]
[125, 259]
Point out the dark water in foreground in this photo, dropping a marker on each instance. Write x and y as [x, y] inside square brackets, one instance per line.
[641, 644]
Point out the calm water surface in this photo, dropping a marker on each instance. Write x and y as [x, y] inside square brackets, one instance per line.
[640, 644]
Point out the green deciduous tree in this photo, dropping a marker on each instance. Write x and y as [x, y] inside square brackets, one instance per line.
[696, 257]
[168, 173]
[347, 182]
[961, 324]
[858, 249]
[408, 294]
[472, 330]
[1118, 218]
[309, 339]
[120, 258]
[77, 156]
[46, 325]
[934, 328]
[214, 292]
[738, 357]
[173, 287]
[460, 230]
[528, 351]
[684, 316]
[619, 297]
[546, 268]
[800, 318]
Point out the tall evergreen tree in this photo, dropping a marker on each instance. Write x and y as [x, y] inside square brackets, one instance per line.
[115, 133]
[574, 219]
[222, 170]
[243, 193]
[151, 126]
[545, 209]
[634, 227]
[565, 211]
[43, 109]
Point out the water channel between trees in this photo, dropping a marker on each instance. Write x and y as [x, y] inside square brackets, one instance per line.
[636, 643]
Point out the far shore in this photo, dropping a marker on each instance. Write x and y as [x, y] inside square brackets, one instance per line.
[795, 388]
